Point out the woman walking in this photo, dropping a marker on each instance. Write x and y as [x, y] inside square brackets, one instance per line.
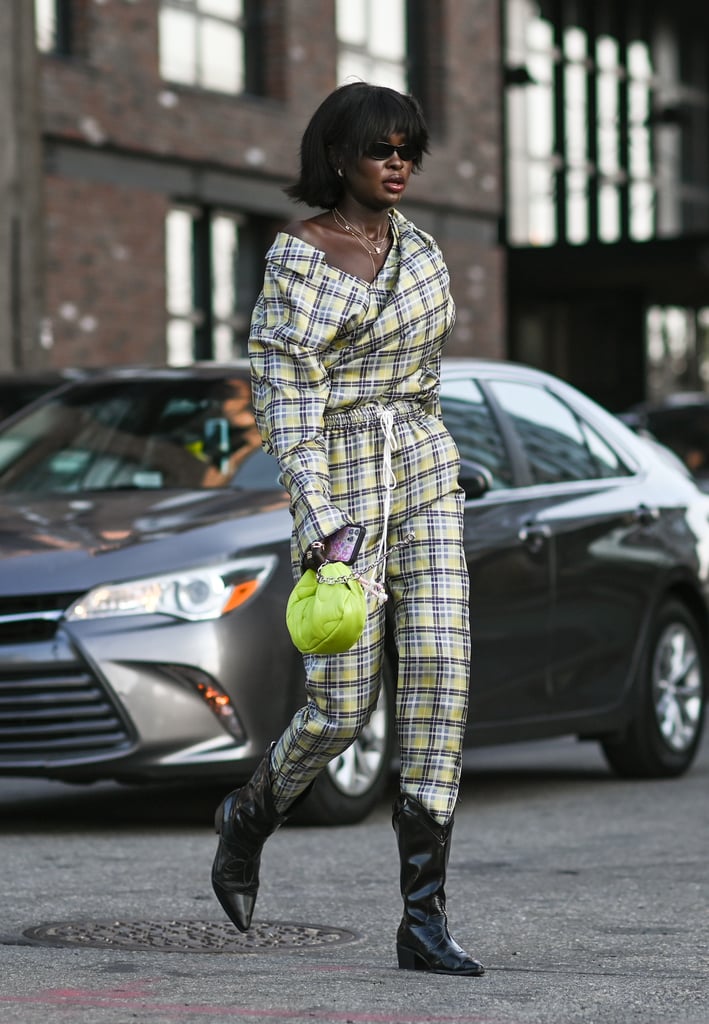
[345, 351]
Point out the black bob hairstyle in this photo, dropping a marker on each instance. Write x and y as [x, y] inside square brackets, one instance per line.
[341, 129]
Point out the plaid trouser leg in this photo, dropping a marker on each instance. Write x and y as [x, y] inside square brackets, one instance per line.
[429, 584]
[342, 691]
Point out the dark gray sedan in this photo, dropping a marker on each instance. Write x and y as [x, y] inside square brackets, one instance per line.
[145, 569]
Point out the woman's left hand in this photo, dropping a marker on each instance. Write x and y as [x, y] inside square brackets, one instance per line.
[314, 557]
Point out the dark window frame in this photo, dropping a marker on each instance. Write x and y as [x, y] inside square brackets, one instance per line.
[63, 31]
[262, 47]
[254, 236]
[426, 60]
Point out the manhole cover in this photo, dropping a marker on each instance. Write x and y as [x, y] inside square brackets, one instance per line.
[187, 936]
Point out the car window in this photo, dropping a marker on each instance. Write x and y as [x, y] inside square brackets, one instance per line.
[143, 434]
[608, 463]
[549, 432]
[469, 419]
[14, 395]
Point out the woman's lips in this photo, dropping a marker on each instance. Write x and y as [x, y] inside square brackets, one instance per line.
[394, 185]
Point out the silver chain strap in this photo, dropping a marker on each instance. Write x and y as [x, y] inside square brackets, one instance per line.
[371, 585]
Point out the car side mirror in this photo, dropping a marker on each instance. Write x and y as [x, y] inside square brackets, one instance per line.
[475, 479]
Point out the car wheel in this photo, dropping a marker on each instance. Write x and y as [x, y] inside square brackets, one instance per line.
[663, 738]
[352, 784]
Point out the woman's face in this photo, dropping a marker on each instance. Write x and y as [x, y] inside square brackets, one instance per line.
[379, 184]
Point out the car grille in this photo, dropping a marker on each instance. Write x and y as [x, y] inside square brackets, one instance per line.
[32, 617]
[54, 716]
[52, 708]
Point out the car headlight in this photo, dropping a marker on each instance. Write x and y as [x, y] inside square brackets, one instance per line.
[193, 594]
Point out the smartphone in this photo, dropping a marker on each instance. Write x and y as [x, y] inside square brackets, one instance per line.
[344, 545]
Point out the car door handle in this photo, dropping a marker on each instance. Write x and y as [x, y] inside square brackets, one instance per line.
[534, 536]
[646, 516]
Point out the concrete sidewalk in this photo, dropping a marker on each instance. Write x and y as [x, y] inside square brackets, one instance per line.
[585, 897]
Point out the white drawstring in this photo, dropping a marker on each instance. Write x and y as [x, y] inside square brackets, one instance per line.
[386, 421]
[375, 586]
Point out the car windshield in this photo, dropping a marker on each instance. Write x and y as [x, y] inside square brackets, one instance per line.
[138, 434]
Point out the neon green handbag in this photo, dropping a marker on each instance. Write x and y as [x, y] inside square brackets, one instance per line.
[326, 611]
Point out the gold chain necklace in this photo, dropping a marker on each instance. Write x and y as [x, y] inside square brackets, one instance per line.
[377, 244]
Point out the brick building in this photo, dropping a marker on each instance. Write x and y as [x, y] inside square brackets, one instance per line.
[163, 186]
[567, 184]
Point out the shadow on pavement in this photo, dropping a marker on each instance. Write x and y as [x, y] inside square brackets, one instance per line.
[490, 775]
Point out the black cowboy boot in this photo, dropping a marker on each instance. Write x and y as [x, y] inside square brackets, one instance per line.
[423, 942]
[244, 821]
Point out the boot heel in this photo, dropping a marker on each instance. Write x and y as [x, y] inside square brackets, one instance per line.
[408, 960]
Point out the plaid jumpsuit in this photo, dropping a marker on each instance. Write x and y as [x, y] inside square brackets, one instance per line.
[329, 352]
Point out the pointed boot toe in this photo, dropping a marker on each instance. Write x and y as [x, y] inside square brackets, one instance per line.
[238, 906]
[429, 946]
[235, 872]
[410, 960]
[244, 820]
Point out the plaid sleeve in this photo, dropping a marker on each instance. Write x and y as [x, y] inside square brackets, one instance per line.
[293, 324]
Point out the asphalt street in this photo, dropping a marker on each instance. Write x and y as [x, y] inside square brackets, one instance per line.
[585, 897]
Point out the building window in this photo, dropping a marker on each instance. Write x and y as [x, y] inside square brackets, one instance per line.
[400, 44]
[532, 142]
[643, 198]
[601, 108]
[576, 135]
[214, 269]
[677, 350]
[53, 26]
[372, 42]
[212, 44]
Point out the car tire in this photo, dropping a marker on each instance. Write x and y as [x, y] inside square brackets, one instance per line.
[351, 785]
[662, 739]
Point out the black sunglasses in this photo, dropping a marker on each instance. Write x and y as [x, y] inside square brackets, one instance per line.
[385, 150]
